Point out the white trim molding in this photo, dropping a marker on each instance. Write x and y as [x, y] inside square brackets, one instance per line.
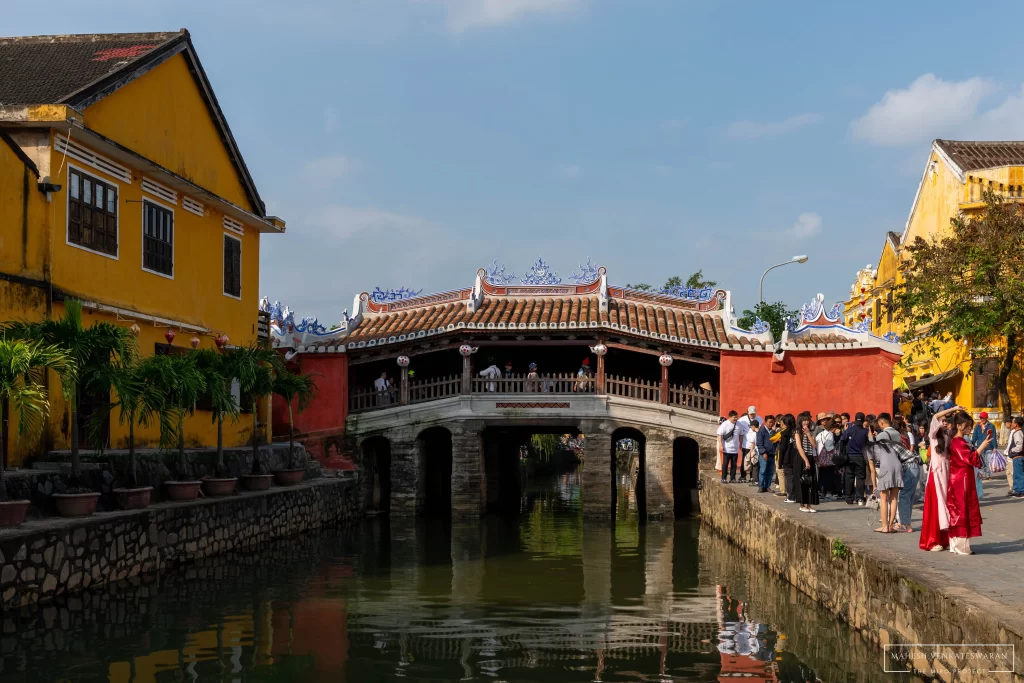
[115, 170]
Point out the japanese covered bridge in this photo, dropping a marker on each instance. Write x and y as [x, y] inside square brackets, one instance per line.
[432, 395]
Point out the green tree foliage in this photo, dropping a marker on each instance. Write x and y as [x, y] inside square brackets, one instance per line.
[968, 286]
[182, 384]
[219, 372]
[90, 349]
[255, 366]
[696, 281]
[774, 314]
[298, 389]
[23, 366]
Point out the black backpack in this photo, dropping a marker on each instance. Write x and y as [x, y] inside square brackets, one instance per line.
[842, 457]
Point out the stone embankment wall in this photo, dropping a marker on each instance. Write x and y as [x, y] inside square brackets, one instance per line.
[46, 559]
[887, 601]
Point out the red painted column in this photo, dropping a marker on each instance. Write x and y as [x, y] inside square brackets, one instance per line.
[600, 374]
[664, 385]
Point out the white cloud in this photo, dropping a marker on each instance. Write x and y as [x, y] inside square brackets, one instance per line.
[323, 172]
[807, 225]
[571, 171]
[343, 222]
[463, 15]
[929, 108]
[748, 130]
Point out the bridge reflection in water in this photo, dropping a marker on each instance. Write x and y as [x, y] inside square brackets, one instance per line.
[539, 596]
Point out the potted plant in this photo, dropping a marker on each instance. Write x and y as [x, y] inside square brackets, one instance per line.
[22, 368]
[255, 367]
[89, 348]
[138, 399]
[178, 378]
[298, 389]
[219, 374]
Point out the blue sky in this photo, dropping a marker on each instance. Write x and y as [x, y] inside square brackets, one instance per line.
[409, 142]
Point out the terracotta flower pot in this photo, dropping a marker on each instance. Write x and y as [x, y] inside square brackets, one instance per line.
[183, 490]
[134, 499]
[289, 477]
[12, 512]
[76, 504]
[257, 482]
[216, 487]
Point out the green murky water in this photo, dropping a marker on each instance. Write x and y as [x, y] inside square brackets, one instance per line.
[541, 596]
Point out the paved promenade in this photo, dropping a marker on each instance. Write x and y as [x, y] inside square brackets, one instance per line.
[991, 579]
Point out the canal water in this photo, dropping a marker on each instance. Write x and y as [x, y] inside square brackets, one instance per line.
[538, 596]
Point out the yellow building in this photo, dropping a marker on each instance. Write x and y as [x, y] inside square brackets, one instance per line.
[122, 185]
[955, 178]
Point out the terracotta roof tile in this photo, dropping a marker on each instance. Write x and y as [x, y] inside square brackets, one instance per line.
[654, 319]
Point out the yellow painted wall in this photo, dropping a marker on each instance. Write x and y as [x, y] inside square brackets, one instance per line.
[162, 117]
[942, 197]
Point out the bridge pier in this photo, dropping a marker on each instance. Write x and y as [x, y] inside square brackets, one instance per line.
[598, 475]
[658, 474]
[406, 475]
[469, 474]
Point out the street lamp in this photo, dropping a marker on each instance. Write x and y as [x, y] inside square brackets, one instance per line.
[802, 258]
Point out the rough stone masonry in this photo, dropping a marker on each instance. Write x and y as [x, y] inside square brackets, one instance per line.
[43, 560]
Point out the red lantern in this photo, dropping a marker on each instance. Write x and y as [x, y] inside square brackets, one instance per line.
[169, 335]
[194, 342]
[863, 315]
[221, 340]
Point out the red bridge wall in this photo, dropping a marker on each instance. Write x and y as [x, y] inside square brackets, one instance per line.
[840, 380]
[321, 426]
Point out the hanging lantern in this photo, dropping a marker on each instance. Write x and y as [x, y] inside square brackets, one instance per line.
[169, 335]
[863, 315]
[194, 342]
[599, 349]
[466, 350]
[403, 361]
[221, 340]
[665, 359]
[135, 329]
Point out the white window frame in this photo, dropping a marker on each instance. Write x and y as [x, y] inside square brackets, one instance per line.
[67, 212]
[142, 237]
[238, 239]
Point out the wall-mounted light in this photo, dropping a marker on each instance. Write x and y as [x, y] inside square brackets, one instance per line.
[48, 188]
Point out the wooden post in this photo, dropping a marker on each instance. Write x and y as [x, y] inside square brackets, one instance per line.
[467, 385]
[664, 385]
[600, 374]
[404, 396]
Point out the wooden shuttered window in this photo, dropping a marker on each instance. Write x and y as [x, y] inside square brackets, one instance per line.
[232, 266]
[92, 213]
[157, 239]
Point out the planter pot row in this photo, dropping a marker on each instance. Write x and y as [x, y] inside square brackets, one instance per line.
[12, 513]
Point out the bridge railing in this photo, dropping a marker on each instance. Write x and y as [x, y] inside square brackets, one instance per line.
[554, 383]
[695, 399]
[362, 400]
[421, 391]
[639, 389]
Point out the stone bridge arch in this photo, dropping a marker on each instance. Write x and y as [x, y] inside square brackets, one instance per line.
[375, 461]
[434, 460]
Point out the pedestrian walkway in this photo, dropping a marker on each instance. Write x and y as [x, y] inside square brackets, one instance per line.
[990, 578]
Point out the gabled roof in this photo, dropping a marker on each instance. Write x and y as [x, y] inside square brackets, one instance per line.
[974, 155]
[79, 70]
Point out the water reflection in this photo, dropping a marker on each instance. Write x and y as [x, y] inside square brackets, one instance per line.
[541, 596]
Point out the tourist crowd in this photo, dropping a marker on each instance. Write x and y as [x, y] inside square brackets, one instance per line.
[885, 461]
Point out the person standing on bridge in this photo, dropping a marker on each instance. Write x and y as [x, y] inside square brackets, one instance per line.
[491, 372]
[728, 446]
[381, 385]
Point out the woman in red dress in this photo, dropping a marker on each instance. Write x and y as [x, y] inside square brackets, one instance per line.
[962, 501]
[935, 522]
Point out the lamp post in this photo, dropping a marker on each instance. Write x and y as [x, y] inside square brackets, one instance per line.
[802, 258]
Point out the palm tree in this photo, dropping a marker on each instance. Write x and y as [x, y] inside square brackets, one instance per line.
[179, 380]
[88, 349]
[219, 374]
[138, 397]
[255, 366]
[23, 366]
[291, 387]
